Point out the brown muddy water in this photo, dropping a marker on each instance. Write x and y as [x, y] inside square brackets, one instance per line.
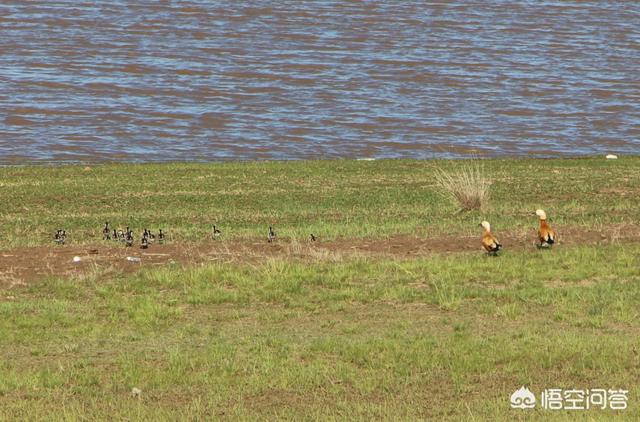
[291, 79]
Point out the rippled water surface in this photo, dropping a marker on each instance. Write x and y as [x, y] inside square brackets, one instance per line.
[289, 79]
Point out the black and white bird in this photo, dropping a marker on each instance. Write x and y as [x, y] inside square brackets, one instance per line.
[144, 243]
[216, 233]
[271, 236]
[106, 233]
[60, 237]
[160, 236]
[128, 241]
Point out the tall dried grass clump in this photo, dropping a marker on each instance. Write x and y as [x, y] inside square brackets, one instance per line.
[467, 186]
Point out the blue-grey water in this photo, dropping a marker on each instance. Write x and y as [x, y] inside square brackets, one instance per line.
[290, 79]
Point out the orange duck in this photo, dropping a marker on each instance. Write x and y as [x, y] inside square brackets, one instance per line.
[489, 242]
[546, 235]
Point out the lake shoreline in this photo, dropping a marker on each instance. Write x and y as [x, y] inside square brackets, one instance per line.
[61, 163]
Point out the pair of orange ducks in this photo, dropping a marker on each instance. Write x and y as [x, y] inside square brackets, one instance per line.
[546, 235]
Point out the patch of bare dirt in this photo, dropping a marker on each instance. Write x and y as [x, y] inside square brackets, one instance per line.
[21, 266]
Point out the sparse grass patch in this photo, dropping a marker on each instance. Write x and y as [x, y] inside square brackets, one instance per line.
[468, 186]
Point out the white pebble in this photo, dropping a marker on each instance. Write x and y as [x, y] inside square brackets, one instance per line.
[611, 157]
[133, 259]
[77, 259]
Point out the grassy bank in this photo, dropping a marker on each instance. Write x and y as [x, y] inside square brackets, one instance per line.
[328, 198]
[336, 336]
[428, 338]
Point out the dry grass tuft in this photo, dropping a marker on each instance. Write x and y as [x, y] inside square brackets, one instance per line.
[468, 186]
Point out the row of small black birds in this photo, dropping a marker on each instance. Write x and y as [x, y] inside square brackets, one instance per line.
[148, 237]
[126, 236]
[546, 235]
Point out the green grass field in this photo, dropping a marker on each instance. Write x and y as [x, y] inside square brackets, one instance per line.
[329, 198]
[440, 336]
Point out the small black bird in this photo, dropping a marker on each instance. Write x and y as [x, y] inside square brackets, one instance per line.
[115, 235]
[216, 233]
[272, 235]
[60, 237]
[312, 238]
[129, 238]
[160, 236]
[106, 233]
[144, 243]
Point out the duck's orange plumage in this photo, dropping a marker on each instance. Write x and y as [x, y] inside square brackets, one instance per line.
[546, 234]
[489, 242]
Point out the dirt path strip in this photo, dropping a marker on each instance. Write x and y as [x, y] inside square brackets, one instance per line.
[22, 266]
